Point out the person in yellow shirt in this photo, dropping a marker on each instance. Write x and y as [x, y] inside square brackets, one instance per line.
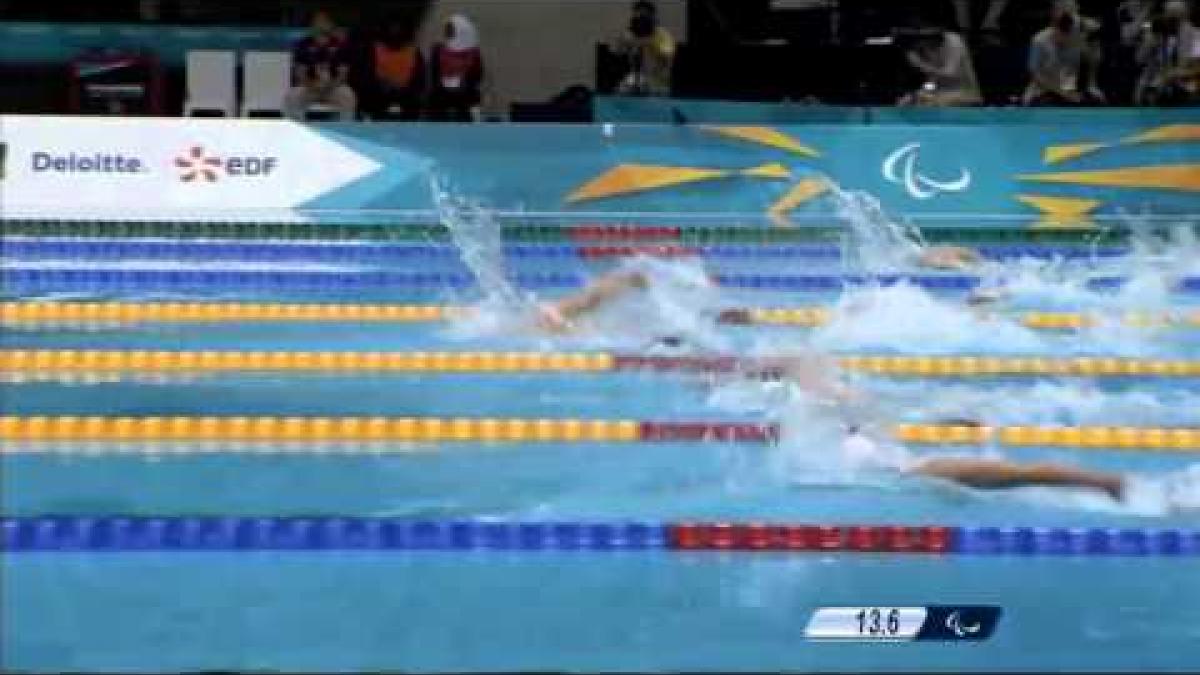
[650, 51]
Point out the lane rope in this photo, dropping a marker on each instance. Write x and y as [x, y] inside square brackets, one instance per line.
[130, 534]
[411, 231]
[391, 253]
[102, 361]
[25, 280]
[24, 433]
[132, 312]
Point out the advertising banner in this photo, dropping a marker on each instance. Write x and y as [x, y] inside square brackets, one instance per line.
[1040, 176]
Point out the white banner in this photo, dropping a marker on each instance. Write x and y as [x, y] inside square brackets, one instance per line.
[111, 166]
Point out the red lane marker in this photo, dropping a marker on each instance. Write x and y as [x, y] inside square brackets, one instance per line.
[709, 431]
[654, 251]
[622, 233]
[764, 537]
[934, 539]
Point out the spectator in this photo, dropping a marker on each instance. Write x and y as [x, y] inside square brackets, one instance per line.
[944, 60]
[321, 72]
[650, 51]
[397, 75]
[1134, 16]
[1064, 60]
[1169, 55]
[457, 64]
[991, 19]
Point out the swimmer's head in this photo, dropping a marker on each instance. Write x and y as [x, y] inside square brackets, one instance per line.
[860, 451]
[961, 422]
[984, 297]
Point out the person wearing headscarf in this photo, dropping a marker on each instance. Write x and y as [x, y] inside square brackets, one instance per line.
[457, 72]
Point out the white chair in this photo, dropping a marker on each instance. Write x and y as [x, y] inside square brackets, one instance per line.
[266, 79]
[210, 83]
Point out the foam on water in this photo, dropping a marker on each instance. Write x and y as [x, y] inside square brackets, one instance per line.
[904, 318]
[681, 301]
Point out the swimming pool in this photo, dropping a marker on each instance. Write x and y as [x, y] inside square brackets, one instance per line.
[502, 604]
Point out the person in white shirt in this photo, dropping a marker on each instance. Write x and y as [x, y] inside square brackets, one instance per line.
[944, 60]
[1064, 60]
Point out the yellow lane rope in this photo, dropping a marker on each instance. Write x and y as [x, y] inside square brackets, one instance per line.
[106, 361]
[15, 429]
[1126, 438]
[117, 312]
[315, 429]
[159, 361]
[216, 311]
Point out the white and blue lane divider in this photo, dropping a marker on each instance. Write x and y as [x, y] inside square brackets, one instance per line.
[32, 280]
[398, 252]
[76, 534]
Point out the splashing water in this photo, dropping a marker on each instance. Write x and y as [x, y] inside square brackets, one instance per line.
[903, 318]
[680, 300]
[480, 243]
[873, 242]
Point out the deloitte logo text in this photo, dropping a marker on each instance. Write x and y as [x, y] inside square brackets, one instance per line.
[46, 162]
[196, 164]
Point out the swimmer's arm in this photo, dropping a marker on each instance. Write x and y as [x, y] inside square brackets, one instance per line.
[601, 291]
[813, 377]
[997, 474]
[948, 257]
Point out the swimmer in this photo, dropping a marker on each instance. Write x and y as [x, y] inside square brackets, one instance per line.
[561, 316]
[983, 474]
[814, 375]
[948, 257]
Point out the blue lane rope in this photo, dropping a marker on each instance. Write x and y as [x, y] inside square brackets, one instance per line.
[83, 533]
[26, 280]
[380, 253]
[65, 534]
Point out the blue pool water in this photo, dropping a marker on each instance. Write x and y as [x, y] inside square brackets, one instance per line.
[653, 610]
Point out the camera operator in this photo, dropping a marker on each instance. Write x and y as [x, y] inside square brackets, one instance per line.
[650, 51]
[1169, 55]
[1064, 59]
[944, 61]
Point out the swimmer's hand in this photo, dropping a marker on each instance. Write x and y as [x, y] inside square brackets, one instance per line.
[551, 320]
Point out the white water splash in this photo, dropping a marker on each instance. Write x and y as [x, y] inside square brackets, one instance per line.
[873, 242]
[480, 244]
[904, 318]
